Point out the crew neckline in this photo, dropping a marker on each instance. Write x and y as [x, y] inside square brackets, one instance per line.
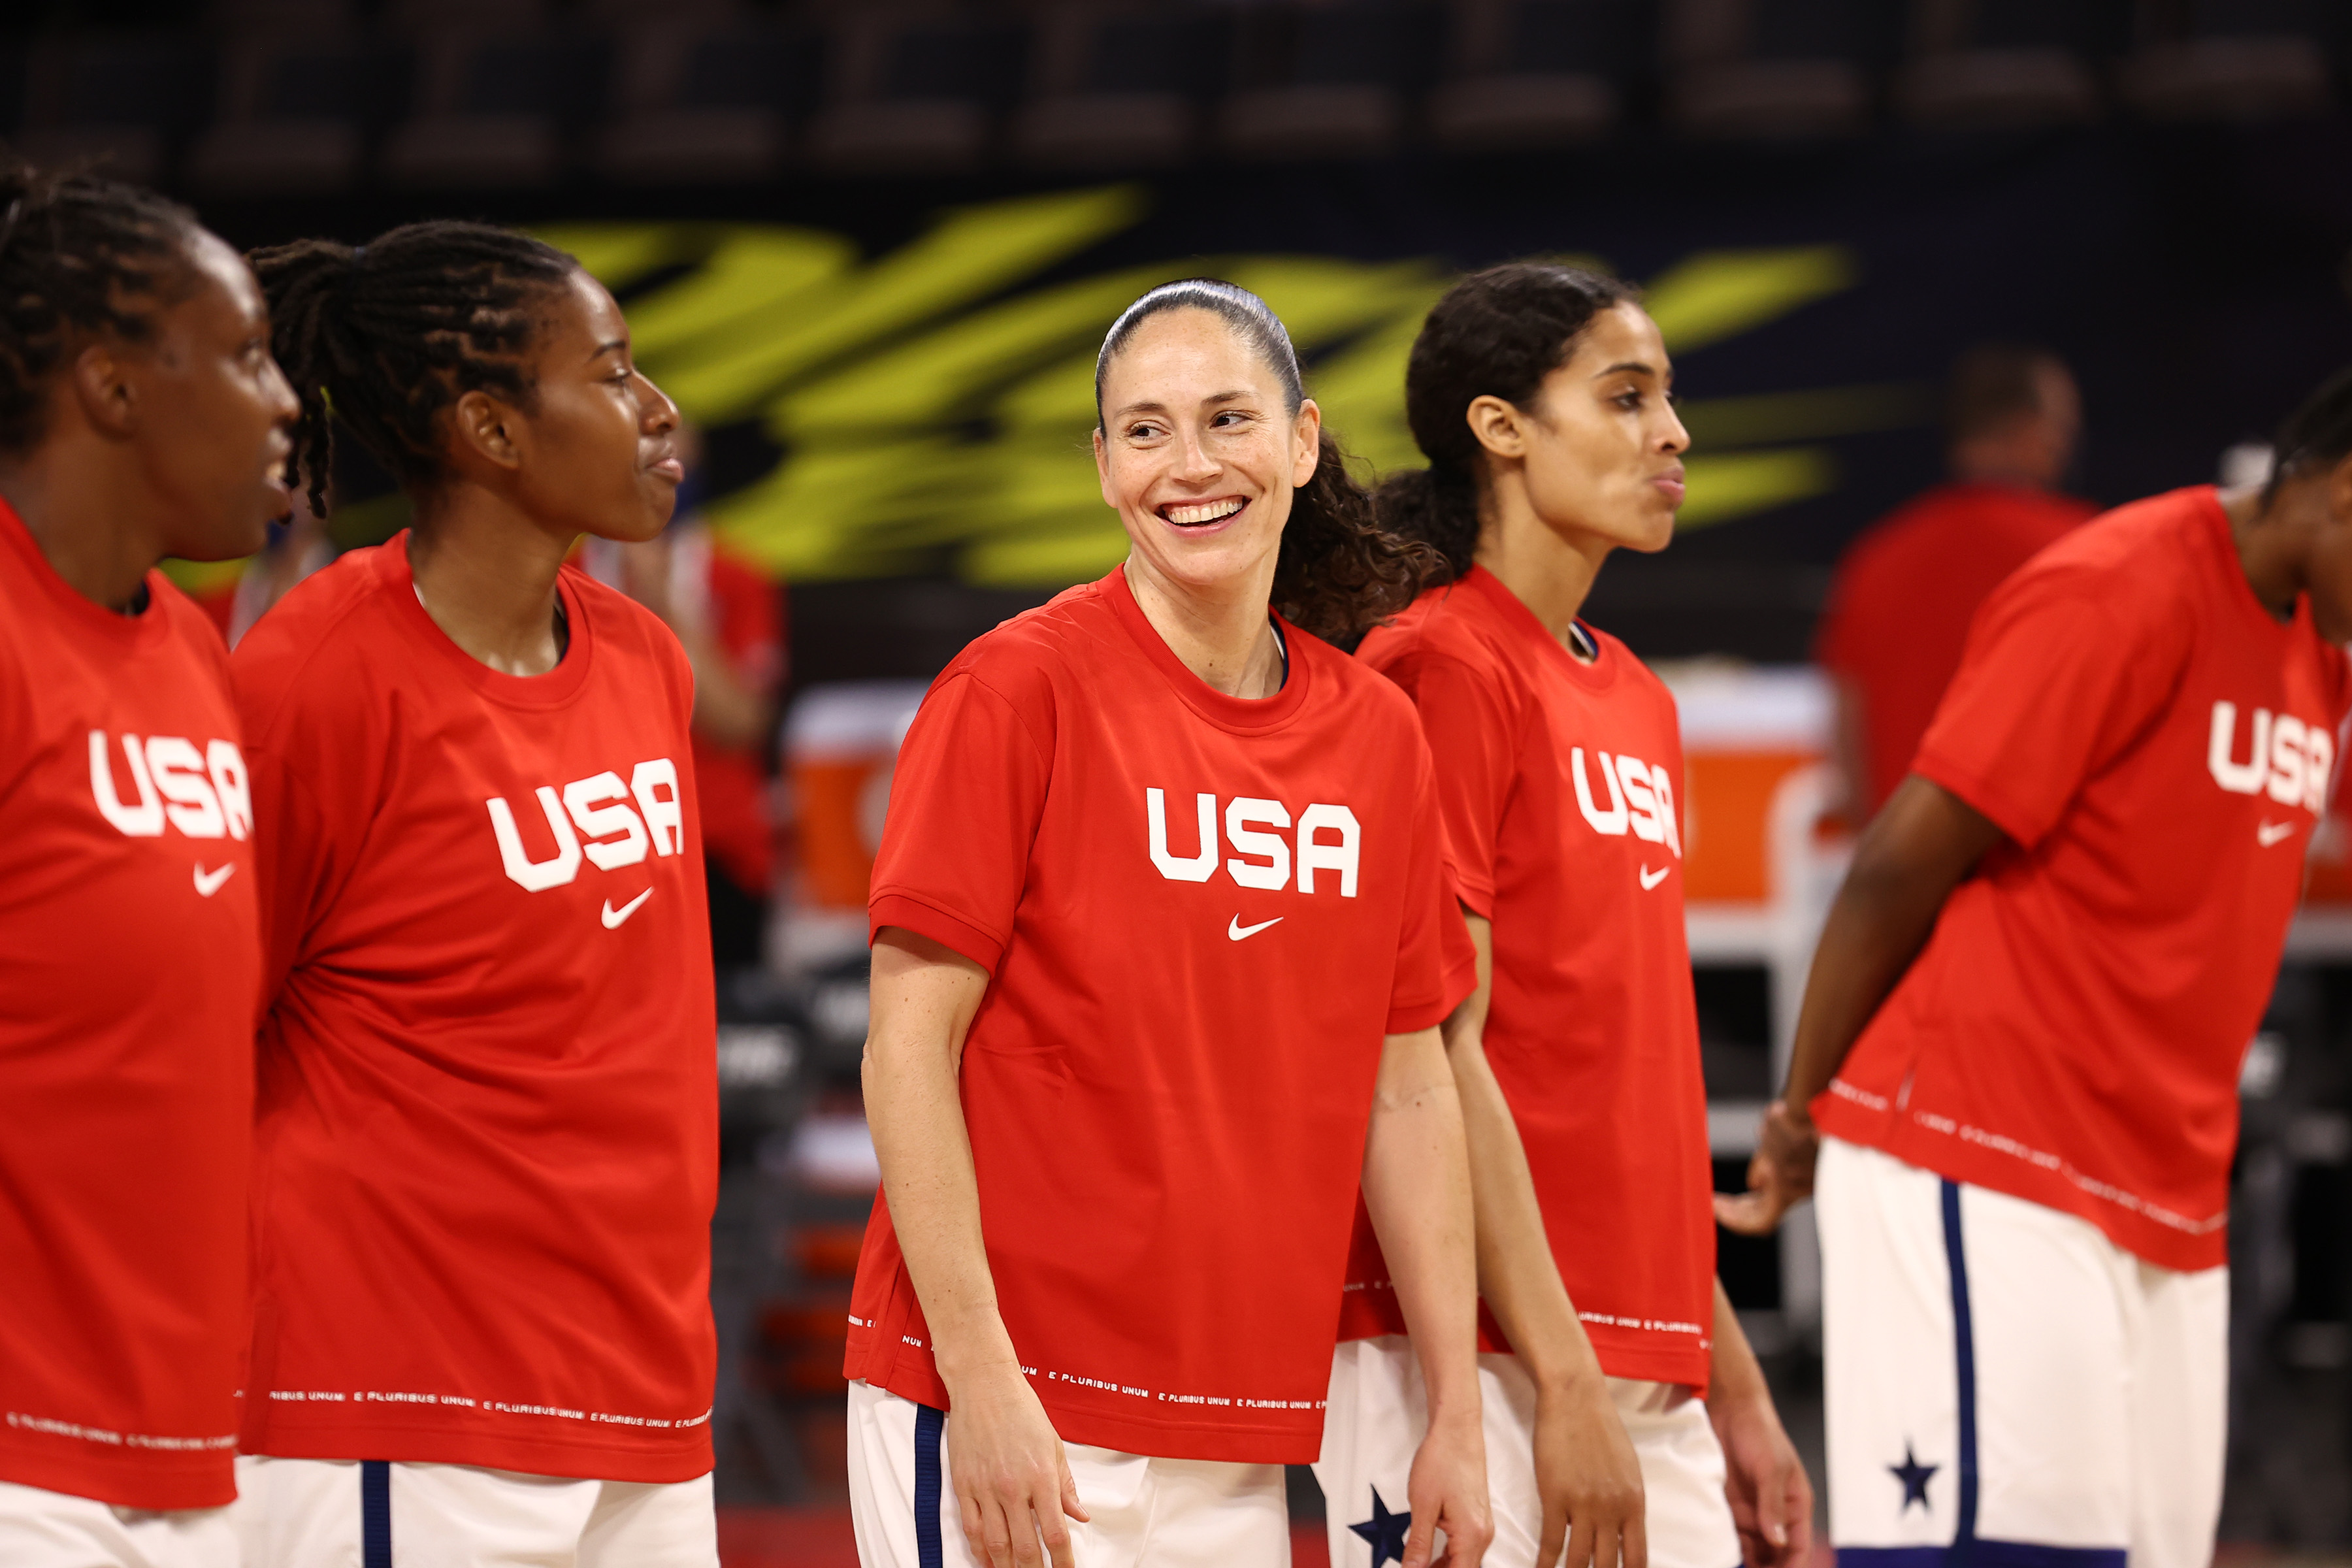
[1607, 662]
[2224, 542]
[131, 633]
[1246, 715]
[556, 688]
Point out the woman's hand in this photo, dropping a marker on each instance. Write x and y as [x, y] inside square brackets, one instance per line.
[1589, 1479]
[1778, 1177]
[1447, 1490]
[1771, 1499]
[1013, 1483]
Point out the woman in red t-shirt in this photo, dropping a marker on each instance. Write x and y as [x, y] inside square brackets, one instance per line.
[1160, 944]
[140, 416]
[487, 1129]
[1540, 397]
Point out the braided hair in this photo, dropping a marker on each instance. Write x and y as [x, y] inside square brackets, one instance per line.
[384, 337]
[1495, 333]
[2317, 434]
[79, 256]
[1338, 572]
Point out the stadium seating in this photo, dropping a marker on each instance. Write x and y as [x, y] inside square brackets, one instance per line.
[314, 96]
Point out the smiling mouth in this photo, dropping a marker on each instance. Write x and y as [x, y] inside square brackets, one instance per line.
[1200, 514]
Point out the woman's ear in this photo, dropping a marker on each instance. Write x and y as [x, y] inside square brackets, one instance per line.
[1498, 425]
[1307, 448]
[484, 430]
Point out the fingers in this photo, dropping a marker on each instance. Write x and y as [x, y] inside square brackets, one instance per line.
[1420, 1538]
[1747, 1213]
[995, 1535]
[1634, 1548]
[1051, 1528]
[974, 1536]
[1553, 1536]
[1070, 1503]
[1580, 1549]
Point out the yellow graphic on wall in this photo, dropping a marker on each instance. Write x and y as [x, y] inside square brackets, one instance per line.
[934, 413]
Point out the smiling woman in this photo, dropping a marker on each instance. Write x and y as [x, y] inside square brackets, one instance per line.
[488, 1090]
[1085, 1007]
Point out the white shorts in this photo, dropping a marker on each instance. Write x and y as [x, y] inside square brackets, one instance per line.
[1379, 1413]
[1168, 1513]
[2002, 1375]
[58, 1529]
[349, 1513]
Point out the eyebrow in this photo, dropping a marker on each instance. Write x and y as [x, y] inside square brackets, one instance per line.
[604, 348]
[1158, 407]
[1632, 365]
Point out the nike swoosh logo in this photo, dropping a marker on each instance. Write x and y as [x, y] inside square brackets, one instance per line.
[1236, 931]
[613, 917]
[2270, 833]
[1652, 878]
[209, 882]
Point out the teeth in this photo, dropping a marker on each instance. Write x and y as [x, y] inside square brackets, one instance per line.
[1207, 511]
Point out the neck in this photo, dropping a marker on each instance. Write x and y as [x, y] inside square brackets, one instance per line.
[1548, 569]
[1996, 464]
[2271, 541]
[88, 514]
[1221, 633]
[487, 574]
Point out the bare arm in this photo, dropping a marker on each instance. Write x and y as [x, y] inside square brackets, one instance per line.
[1586, 1471]
[1417, 1187]
[1915, 852]
[1009, 1477]
[1771, 1499]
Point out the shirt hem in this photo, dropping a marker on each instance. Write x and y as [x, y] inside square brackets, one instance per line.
[1623, 1352]
[404, 1444]
[148, 1482]
[1960, 1152]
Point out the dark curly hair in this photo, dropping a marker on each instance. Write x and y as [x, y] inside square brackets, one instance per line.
[79, 254]
[1338, 571]
[384, 337]
[1495, 333]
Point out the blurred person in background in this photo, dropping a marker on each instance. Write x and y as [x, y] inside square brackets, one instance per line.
[1626, 1416]
[1907, 589]
[2018, 1057]
[729, 619]
[140, 416]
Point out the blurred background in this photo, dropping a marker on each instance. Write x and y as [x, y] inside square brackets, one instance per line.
[2023, 251]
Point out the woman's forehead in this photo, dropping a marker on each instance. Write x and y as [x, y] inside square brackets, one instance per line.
[1185, 344]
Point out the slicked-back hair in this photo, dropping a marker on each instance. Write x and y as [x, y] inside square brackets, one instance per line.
[1495, 333]
[1339, 572]
[386, 336]
[79, 257]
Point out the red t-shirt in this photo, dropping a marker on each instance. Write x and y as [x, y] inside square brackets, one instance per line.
[1900, 606]
[1559, 783]
[2157, 748]
[747, 619]
[130, 954]
[488, 1125]
[1201, 916]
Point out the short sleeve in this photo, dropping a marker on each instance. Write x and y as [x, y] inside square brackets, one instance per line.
[1436, 966]
[1474, 743]
[2057, 677]
[965, 801]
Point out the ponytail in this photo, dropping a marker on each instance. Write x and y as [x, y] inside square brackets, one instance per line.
[1339, 572]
